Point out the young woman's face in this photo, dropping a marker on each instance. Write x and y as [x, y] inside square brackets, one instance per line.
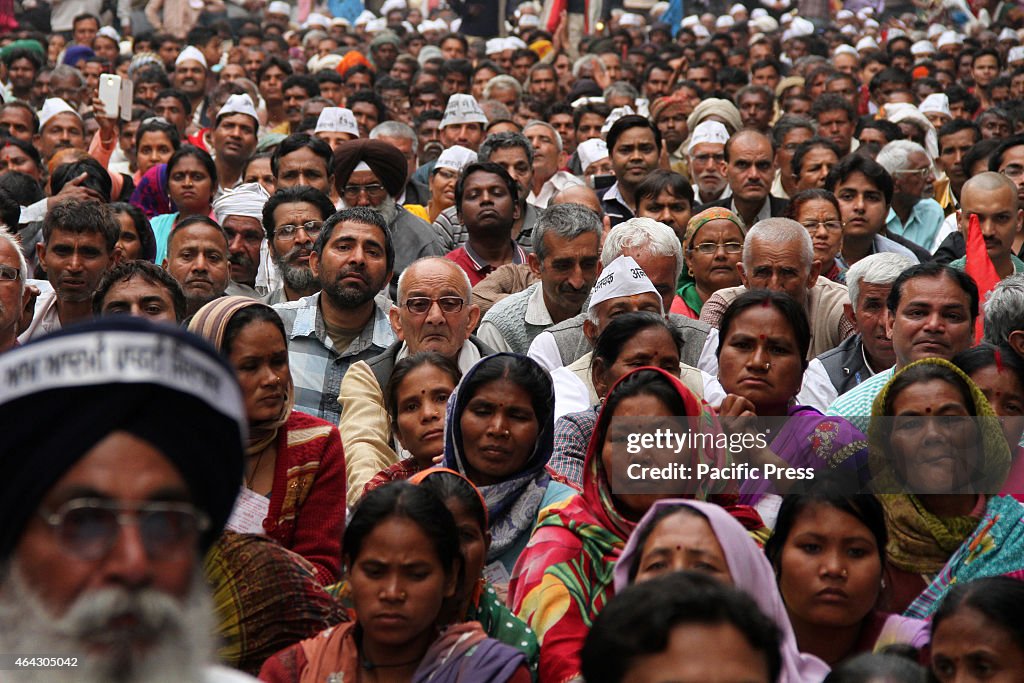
[473, 542]
[683, 541]
[398, 585]
[830, 572]
[259, 355]
[652, 347]
[420, 401]
[1006, 395]
[154, 148]
[499, 432]
[190, 186]
[128, 243]
[967, 647]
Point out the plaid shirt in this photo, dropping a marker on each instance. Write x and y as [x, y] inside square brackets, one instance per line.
[855, 404]
[317, 368]
[572, 435]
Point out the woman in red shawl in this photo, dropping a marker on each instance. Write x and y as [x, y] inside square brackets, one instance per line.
[564, 576]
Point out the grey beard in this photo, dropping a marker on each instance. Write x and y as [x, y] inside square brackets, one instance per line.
[387, 208]
[179, 633]
[299, 278]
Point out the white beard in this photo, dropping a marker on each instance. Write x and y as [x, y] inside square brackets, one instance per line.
[179, 634]
[388, 209]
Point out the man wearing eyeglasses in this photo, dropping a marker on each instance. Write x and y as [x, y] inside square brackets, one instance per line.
[706, 154]
[109, 510]
[353, 259]
[433, 313]
[372, 174]
[13, 291]
[292, 218]
[913, 215]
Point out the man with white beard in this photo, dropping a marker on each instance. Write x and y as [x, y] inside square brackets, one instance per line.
[372, 173]
[110, 509]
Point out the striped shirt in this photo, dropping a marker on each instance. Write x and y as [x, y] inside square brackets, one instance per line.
[855, 404]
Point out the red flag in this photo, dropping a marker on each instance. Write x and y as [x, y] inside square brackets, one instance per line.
[979, 266]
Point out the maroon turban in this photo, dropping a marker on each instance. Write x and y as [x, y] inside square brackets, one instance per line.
[384, 160]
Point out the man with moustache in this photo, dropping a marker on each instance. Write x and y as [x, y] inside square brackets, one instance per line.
[109, 510]
[60, 127]
[297, 89]
[372, 174]
[76, 252]
[706, 154]
[867, 352]
[353, 259]
[566, 258]
[190, 74]
[634, 145]
[234, 138]
[197, 257]
[240, 214]
[14, 295]
[750, 169]
[992, 197]
[433, 313]
[292, 219]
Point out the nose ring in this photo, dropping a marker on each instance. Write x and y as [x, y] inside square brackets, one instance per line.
[768, 365]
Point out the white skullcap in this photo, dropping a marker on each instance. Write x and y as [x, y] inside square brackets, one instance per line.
[591, 151]
[245, 200]
[848, 30]
[765, 24]
[690, 21]
[708, 132]
[318, 63]
[340, 21]
[462, 109]
[580, 101]
[111, 32]
[53, 106]
[191, 53]
[365, 17]
[936, 103]
[935, 30]
[1008, 34]
[658, 9]
[457, 24]
[1016, 54]
[844, 15]
[895, 33]
[513, 43]
[701, 31]
[494, 46]
[870, 23]
[865, 13]
[867, 43]
[735, 9]
[801, 27]
[949, 38]
[724, 22]
[317, 19]
[529, 21]
[391, 5]
[614, 116]
[786, 19]
[845, 49]
[238, 104]
[456, 158]
[336, 120]
[758, 13]
[376, 25]
[278, 7]
[921, 48]
[622, 277]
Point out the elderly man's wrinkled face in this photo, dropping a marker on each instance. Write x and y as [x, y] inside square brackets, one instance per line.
[197, 257]
[63, 131]
[434, 312]
[780, 268]
[126, 598]
[245, 236]
[568, 271]
[466, 134]
[13, 296]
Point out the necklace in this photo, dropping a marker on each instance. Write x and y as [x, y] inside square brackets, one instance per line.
[255, 469]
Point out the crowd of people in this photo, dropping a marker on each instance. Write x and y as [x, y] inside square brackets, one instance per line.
[342, 316]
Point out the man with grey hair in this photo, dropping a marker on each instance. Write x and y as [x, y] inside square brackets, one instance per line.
[656, 249]
[433, 313]
[511, 151]
[565, 258]
[870, 350]
[913, 214]
[505, 89]
[403, 138]
[547, 158]
[1004, 314]
[14, 294]
[778, 254]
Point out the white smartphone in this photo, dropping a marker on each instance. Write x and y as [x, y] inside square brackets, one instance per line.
[110, 94]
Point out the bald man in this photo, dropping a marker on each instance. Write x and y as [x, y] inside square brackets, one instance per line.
[992, 197]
